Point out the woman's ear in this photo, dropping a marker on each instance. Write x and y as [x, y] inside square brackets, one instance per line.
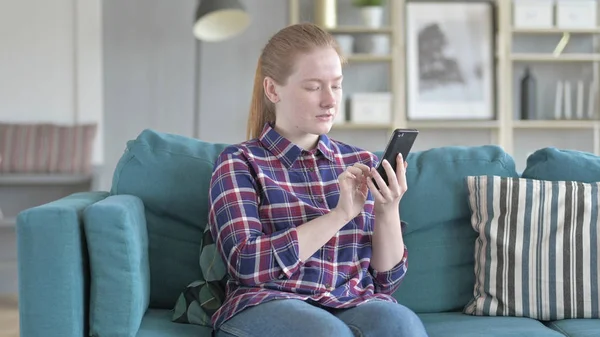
[271, 89]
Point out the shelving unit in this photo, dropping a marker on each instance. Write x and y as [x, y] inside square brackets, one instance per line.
[544, 50]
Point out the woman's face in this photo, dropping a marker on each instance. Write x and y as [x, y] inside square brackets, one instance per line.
[308, 102]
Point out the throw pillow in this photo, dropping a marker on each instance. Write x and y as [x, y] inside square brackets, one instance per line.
[202, 298]
[536, 253]
[38, 148]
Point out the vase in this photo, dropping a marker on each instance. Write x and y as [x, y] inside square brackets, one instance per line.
[372, 16]
[528, 96]
[325, 13]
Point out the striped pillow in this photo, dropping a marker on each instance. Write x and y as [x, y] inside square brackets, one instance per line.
[536, 254]
[46, 148]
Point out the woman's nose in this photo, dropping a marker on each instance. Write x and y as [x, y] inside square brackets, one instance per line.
[328, 99]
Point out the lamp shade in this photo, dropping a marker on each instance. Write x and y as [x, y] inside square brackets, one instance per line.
[218, 20]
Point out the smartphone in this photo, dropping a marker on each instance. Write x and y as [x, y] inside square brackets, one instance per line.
[401, 141]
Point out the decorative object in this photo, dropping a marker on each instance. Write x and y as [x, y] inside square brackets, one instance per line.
[215, 20]
[536, 250]
[528, 95]
[576, 13]
[593, 92]
[450, 60]
[373, 44]
[533, 13]
[558, 100]
[371, 108]
[371, 12]
[579, 100]
[346, 43]
[325, 13]
[340, 118]
[568, 102]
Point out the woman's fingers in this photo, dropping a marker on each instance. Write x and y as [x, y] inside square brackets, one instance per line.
[383, 188]
[375, 192]
[391, 175]
[354, 170]
[363, 168]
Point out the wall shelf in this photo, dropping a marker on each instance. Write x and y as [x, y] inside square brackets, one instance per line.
[355, 126]
[359, 30]
[453, 124]
[8, 222]
[514, 48]
[369, 58]
[555, 31]
[43, 179]
[554, 124]
[552, 58]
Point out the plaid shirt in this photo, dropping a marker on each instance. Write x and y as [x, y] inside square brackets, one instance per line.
[260, 191]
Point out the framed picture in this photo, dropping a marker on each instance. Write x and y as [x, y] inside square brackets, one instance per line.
[450, 60]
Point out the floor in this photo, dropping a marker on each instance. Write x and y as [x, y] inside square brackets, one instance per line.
[9, 316]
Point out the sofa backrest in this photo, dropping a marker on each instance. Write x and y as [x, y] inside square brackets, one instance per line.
[171, 175]
[439, 236]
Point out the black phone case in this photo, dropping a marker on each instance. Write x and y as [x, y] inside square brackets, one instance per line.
[401, 141]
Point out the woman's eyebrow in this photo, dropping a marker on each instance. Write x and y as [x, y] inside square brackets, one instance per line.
[320, 80]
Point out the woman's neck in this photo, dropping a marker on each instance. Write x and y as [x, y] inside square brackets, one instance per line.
[305, 141]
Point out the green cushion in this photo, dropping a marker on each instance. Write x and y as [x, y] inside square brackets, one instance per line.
[115, 230]
[555, 164]
[460, 325]
[577, 327]
[439, 235]
[171, 175]
[202, 298]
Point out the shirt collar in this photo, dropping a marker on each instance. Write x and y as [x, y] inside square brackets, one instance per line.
[286, 151]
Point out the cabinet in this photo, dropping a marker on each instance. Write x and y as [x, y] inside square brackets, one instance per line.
[553, 54]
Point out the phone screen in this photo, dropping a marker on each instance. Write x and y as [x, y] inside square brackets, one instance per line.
[401, 141]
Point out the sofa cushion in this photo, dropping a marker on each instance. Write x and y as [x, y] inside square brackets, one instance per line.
[459, 325]
[157, 323]
[439, 235]
[577, 327]
[171, 175]
[537, 248]
[115, 230]
[555, 164]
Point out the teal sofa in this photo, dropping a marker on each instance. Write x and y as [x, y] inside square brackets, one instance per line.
[113, 263]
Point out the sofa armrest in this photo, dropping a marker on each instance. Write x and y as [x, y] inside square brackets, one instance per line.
[53, 270]
[117, 239]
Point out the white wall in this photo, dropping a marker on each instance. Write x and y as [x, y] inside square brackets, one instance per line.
[51, 63]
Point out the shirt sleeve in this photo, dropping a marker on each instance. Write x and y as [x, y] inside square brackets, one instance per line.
[388, 282]
[252, 257]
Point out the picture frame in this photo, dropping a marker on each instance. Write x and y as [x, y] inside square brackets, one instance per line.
[450, 60]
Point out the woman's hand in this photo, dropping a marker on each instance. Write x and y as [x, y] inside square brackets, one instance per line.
[353, 190]
[387, 198]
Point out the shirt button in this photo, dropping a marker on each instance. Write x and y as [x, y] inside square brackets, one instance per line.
[329, 258]
[311, 169]
[320, 200]
[327, 285]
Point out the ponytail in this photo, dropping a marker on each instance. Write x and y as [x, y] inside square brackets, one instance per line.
[260, 111]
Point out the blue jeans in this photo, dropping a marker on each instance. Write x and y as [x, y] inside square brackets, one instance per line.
[293, 318]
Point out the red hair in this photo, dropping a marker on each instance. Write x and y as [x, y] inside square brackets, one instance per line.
[277, 61]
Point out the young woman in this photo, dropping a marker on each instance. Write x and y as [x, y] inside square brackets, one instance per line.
[313, 248]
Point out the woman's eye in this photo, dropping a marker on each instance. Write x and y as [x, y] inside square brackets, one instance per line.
[337, 87]
[312, 88]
